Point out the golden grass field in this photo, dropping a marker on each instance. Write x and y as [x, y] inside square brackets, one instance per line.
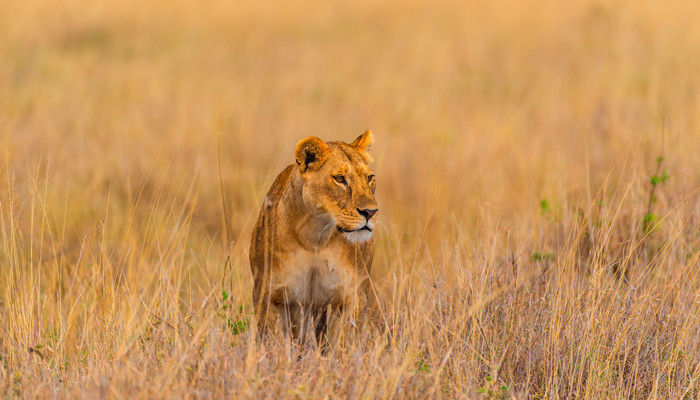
[523, 251]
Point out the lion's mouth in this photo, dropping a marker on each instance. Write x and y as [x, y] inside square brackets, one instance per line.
[346, 230]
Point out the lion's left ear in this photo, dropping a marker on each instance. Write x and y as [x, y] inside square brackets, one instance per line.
[363, 144]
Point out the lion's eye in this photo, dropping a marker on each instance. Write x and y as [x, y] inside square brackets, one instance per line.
[339, 178]
[370, 178]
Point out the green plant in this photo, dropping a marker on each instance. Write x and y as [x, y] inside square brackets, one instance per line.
[422, 365]
[542, 256]
[492, 390]
[235, 324]
[659, 177]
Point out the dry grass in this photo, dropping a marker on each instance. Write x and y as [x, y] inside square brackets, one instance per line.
[515, 148]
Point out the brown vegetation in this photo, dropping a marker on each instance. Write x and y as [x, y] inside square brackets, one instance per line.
[522, 251]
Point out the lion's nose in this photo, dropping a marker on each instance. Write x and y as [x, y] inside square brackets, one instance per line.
[368, 212]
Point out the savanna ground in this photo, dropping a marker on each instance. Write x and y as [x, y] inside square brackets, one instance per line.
[533, 242]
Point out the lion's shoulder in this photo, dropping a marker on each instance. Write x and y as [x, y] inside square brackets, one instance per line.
[266, 218]
[274, 195]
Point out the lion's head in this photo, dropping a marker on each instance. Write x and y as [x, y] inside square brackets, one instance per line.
[339, 183]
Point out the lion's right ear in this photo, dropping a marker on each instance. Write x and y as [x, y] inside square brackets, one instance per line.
[311, 153]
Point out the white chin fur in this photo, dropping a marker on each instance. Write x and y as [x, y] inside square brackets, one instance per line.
[358, 236]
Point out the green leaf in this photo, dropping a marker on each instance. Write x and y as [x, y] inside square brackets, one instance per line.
[542, 256]
[648, 221]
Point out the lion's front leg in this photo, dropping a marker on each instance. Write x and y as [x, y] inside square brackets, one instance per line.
[350, 314]
[292, 317]
[266, 314]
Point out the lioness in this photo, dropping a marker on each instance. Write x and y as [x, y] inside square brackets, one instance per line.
[311, 249]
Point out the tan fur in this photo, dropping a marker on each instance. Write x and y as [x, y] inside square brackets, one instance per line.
[310, 259]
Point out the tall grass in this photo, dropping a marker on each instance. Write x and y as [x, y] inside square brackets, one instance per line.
[531, 245]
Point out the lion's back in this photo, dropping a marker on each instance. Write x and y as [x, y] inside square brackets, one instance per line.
[265, 226]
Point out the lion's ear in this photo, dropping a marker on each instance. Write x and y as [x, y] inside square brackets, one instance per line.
[364, 141]
[311, 153]
[363, 144]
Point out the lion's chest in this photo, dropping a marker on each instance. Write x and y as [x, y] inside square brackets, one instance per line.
[317, 279]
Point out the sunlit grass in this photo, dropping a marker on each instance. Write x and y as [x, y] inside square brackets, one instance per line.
[533, 244]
